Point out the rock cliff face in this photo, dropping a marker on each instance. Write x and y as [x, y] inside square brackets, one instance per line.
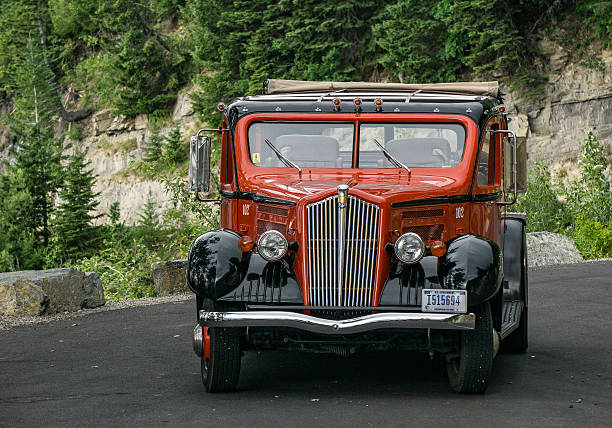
[112, 141]
[577, 99]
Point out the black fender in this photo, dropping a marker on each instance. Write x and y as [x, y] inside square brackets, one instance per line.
[471, 263]
[475, 264]
[515, 257]
[405, 281]
[218, 270]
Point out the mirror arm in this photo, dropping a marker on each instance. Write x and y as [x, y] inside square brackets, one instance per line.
[197, 178]
[515, 190]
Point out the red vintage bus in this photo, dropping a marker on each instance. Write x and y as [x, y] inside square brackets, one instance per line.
[362, 216]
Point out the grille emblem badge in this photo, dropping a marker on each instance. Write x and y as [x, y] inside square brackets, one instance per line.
[342, 204]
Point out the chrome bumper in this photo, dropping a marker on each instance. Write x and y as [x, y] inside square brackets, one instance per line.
[349, 326]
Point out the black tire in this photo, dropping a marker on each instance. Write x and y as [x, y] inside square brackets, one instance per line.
[516, 342]
[470, 368]
[221, 371]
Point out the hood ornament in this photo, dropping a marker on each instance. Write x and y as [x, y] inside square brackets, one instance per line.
[342, 195]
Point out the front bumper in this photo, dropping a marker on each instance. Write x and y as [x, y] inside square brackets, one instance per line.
[324, 326]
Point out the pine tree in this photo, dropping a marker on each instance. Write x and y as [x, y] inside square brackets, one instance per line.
[591, 196]
[148, 216]
[148, 66]
[73, 220]
[114, 214]
[413, 43]
[176, 147]
[152, 148]
[38, 153]
[19, 245]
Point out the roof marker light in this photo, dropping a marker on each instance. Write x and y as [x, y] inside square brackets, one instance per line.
[336, 102]
[378, 103]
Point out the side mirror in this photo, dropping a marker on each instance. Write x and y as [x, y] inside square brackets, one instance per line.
[515, 164]
[199, 164]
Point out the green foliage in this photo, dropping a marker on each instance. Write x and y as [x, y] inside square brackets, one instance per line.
[590, 195]
[162, 156]
[96, 75]
[38, 153]
[152, 148]
[19, 23]
[413, 42]
[545, 211]
[125, 270]
[582, 211]
[74, 233]
[599, 13]
[148, 216]
[445, 40]
[176, 149]
[114, 214]
[244, 42]
[126, 254]
[19, 244]
[593, 239]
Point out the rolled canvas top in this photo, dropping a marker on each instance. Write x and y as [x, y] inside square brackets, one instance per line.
[279, 86]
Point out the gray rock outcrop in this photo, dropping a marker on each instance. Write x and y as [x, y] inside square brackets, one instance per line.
[575, 100]
[170, 277]
[49, 291]
[547, 248]
[21, 298]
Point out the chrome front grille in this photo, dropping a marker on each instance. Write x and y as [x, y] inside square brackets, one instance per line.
[342, 250]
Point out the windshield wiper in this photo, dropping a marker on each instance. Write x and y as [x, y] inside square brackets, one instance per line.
[282, 157]
[391, 158]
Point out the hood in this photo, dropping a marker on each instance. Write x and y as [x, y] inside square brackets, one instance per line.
[393, 187]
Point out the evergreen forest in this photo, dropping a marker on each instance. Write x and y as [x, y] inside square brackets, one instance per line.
[61, 60]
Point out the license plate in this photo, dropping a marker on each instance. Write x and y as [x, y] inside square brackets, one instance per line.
[444, 301]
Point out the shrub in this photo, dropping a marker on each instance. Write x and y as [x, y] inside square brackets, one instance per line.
[582, 211]
[545, 211]
[593, 239]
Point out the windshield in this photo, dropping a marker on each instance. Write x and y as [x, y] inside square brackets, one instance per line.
[307, 145]
[432, 145]
[330, 145]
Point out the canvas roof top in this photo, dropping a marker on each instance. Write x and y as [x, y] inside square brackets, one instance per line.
[280, 86]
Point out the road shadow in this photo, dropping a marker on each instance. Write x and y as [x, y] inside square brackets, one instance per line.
[376, 372]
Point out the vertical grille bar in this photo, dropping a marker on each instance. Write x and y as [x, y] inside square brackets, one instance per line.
[359, 252]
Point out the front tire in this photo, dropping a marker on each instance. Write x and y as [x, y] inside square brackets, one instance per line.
[221, 367]
[470, 368]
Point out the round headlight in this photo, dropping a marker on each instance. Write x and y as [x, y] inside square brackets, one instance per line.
[272, 245]
[409, 248]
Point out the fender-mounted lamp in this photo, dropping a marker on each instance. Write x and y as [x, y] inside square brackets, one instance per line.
[438, 248]
[221, 107]
[245, 244]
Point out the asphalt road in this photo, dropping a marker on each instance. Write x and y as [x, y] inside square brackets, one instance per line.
[136, 367]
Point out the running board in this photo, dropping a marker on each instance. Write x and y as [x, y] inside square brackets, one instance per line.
[511, 317]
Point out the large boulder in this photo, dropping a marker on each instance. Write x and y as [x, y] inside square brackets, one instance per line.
[170, 277]
[547, 248]
[22, 298]
[49, 291]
